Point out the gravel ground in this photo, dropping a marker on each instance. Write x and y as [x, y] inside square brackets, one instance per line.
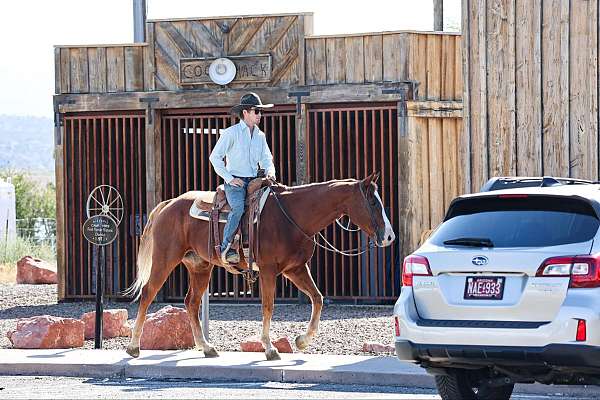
[343, 328]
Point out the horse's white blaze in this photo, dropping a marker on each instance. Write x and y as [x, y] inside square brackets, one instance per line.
[389, 235]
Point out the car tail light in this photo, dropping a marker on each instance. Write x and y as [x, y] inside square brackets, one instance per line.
[581, 331]
[583, 270]
[397, 325]
[414, 266]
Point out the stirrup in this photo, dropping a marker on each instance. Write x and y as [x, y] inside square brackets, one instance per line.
[224, 259]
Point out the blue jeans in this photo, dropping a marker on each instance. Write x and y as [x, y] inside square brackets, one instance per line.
[236, 197]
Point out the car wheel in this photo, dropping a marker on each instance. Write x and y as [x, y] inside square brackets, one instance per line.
[467, 385]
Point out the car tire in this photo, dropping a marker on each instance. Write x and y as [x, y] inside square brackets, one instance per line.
[465, 385]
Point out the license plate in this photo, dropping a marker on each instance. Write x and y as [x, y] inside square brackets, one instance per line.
[484, 288]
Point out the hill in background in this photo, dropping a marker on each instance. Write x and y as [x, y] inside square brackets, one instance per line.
[27, 143]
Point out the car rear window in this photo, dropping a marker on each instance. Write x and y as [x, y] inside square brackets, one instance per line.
[533, 221]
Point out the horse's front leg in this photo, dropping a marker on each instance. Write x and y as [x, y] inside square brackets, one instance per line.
[303, 280]
[267, 292]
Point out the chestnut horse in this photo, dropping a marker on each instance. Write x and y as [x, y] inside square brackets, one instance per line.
[288, 224]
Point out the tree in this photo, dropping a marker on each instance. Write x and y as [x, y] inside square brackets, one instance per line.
[33, 200]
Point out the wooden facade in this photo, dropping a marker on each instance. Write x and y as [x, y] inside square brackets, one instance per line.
[531, 88]
[397, 94]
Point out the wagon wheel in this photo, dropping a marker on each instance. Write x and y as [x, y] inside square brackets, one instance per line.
[105, 200]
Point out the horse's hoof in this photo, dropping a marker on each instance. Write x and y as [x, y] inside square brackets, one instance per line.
[273, 355]
[302, 342]
[133, 351]
[211, 353]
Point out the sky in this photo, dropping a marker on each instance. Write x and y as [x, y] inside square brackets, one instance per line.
[30, 28]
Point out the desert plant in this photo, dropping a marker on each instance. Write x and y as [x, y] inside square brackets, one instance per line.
[13, 250]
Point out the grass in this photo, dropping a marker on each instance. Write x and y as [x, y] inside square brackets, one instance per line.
[12, 251]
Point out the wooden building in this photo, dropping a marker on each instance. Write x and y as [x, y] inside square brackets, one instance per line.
[531, 105]
[144, 117]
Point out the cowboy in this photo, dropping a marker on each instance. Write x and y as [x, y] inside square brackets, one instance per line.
[244, 148]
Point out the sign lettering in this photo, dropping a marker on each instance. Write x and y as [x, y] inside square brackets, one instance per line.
[250, 69]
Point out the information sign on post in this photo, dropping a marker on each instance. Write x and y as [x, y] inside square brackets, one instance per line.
[104, 211]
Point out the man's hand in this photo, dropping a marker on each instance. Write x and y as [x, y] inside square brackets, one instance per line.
[237, 182]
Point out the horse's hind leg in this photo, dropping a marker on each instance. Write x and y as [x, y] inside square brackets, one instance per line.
[199, 275]
[303, 280]
[161, 268]
[267, 292]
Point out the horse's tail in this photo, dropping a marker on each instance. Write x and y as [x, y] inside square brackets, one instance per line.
[144, 261]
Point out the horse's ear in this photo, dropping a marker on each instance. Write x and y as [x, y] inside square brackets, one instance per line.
[370, 179]
[367, 181]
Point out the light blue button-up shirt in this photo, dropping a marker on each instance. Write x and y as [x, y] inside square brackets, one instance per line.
[242, 152]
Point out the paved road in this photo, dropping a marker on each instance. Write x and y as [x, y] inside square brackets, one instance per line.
[42, 387]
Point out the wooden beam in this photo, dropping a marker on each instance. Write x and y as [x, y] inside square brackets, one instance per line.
[435, 109]
[199, 98]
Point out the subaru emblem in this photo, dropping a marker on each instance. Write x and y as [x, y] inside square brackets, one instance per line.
[479, 260]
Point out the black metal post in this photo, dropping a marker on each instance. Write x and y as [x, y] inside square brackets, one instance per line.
[99, 298]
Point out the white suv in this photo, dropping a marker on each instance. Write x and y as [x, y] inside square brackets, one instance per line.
[506, 290]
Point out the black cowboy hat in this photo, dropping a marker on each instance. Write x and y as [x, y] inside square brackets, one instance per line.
[248, 101]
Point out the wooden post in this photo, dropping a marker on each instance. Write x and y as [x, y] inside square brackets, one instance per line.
[438, 15]
[60, 208]
[153, 167]
[404, 176]
[152, 135]
[301, 159]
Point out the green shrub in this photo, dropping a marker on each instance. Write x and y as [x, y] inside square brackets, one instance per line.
[33, 199]
[13, 250]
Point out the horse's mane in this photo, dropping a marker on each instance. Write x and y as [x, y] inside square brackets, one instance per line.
[281, 188]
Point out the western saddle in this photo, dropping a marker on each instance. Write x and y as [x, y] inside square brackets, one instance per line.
[247, 230]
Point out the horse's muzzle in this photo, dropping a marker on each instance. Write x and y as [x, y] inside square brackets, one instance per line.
[385, 237]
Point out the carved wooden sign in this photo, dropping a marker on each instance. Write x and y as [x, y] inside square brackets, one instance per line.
[251, 69]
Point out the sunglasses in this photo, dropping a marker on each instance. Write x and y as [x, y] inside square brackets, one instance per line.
[256, 110]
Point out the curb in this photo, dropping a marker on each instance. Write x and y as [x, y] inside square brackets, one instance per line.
[230, 366]
[239, 367]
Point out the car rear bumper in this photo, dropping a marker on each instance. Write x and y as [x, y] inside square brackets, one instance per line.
[553, 355]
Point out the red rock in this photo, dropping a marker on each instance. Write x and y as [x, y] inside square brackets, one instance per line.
[167, 329]
[373, 347]
[35, 271]
[47, 332]
[114, 324]
[254, 344]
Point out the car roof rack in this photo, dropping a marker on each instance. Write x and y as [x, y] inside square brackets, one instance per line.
[510, 182]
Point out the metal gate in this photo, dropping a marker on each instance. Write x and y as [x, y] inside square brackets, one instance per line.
[188, 137]
[352, 141]
[101, 149]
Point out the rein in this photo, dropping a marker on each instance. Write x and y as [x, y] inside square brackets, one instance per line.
[330, 247]
[347, 227]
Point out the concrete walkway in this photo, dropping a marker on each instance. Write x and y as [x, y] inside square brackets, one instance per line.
[230, 366]
[235, 366]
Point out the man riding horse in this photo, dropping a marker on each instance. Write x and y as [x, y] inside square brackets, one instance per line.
[287, 227]
[244, 148]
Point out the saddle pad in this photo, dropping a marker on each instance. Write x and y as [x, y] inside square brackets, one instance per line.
[196, 212]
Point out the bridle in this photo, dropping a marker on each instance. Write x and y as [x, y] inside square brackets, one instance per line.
[328, 246]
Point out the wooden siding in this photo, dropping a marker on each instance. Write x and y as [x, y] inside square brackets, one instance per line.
[102, 69]
[532, 88]
[280, 36]
[432, 168]
[433, 60]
